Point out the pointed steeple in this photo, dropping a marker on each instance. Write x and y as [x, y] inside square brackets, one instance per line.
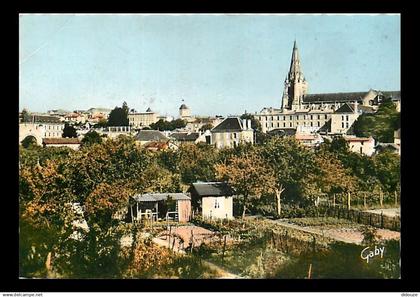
[295, 83]
[295, 72]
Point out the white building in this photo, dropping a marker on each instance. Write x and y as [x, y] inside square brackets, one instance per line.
[361, 145]
[41, 127]
[142, 119]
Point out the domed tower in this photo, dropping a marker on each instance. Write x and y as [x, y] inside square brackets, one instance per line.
[184, 112]
[295, 85]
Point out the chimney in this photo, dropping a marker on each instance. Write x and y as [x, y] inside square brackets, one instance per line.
[355, 107]
[243, 124]
[249, 124]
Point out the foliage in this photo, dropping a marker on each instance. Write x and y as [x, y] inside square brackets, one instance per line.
[381, 125]
[118, 116]
[90, 138]
[69, 131]
[206, 127]
[248, 175]
[29, 142]
[163, 125]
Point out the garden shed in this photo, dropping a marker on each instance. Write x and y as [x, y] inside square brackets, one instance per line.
[213, 200]
[160, 206]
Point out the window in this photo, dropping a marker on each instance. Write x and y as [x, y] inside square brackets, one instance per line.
[347, 124]
[319, 117]
[342, 124]
[291, 118]
[278, 125]
[216, 204]
[319, 125]
[312, 124]
[297, 117]
[325, 117]
[347, 117]
[342, 118]
[284, 124]
[290, 124]
[312, 117]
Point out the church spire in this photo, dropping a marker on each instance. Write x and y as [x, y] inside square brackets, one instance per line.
[295, 72]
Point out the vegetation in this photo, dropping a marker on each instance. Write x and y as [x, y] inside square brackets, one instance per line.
[69, 131]
[118, 116]
[29, 141]
[381, 125]
[90, 138]
[103, 175]
[163, 125]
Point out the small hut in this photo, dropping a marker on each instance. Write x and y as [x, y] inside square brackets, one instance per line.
[160, 206]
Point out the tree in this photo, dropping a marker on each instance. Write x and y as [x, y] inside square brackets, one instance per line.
[206, 127]
[69, 131]
[293, 164]
[163, 125]
[26, 117]
[248, 175]
[102, 123]
[380, 125]
[260, 137]
[90, 138]
[29, 142]
[119, 116]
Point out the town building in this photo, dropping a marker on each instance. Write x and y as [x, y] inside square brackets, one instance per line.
[142, 119]
[361, 145]
[212, 200]
[184, 113]
[231, 132]
[41, 126]
[299, 108]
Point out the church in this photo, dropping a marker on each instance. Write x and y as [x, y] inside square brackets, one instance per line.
[327, 113]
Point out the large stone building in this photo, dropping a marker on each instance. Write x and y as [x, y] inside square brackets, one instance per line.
[142, 119]
[40, 127]
[320, 112]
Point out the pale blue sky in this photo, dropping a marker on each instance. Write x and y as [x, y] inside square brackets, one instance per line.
[219, 64]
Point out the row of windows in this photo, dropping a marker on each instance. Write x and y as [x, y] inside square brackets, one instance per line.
[53, 134]
[304, 117]
[312, 124]
[342, 124]
[345, 117]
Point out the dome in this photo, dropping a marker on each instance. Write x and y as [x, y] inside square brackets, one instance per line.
[149, 110]
[183, 106]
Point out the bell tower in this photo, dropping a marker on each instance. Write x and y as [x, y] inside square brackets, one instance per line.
[295, 85]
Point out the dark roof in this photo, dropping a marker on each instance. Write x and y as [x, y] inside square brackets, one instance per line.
[154, 197]
[45, 119]
[150, 135]
[60, 141]
[212, 189]
[185, 136]
[149, 110]
[334, 97]
[183, 106]
[228, 125]
[283, 131]
[345, 108]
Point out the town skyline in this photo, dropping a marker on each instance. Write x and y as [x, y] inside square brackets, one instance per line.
[69, 61]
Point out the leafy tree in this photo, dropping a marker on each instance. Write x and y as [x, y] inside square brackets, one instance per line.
[69, 131]
[380, 125]
[29, 142]
[118, 116]
[162, 125]
[206, 127]
[293, 165]
[102, 123]
[196, 162]
[26, 117]
[90, 138]
[387, 167]
[248, 175]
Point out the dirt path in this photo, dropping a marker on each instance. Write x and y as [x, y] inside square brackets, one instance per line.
[220, 270]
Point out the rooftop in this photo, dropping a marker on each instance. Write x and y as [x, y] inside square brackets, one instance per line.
[229, 125]
[154, 197]
[150, 135]
[211, 189]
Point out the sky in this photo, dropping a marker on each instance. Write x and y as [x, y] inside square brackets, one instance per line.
[220, 64]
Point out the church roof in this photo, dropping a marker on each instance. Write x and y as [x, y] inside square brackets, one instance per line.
[334, 97]
[148, 110]
[228, 125]
[183, 106]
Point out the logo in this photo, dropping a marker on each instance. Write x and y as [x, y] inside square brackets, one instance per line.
[367, 254]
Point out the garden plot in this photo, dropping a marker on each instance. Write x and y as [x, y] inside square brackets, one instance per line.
[337, 229]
